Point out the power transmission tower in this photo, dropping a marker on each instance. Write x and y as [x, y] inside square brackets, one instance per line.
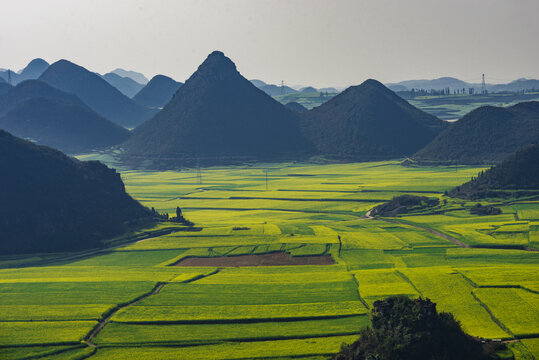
[483, 86]
[282, 87]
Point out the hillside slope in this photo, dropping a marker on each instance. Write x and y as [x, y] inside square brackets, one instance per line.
[63, 126]
[369, 122]
[34, 88]
[218, 116]
[98, 94]
[50, 202]
[520, 171]
[485, 136]
[158, 92]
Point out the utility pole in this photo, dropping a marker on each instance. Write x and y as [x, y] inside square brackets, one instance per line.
[282, 87]
[483, 86]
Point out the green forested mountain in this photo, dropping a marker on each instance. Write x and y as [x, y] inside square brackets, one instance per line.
[218, 116]
[520, 171]
[64, 126]
[369, 122]
[485, 136]
[51, 202]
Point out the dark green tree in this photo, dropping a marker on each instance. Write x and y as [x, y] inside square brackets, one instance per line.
[405, 329]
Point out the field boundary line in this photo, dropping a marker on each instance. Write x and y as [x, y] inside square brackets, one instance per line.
[186, 343]
[494, 318]
[405, 278]
[358, 293]
[111, 312]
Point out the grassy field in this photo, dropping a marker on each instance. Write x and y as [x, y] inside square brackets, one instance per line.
[49, 303]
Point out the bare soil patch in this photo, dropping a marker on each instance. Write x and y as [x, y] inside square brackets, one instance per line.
[269, 259]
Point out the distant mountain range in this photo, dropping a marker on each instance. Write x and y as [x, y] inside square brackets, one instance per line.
[133, 75]
[53, 203]
[97, 93]
[519, 171]
[217, 116]
[369, 122]
[486, 135]
[456, 84]
[275, 90]
[64, 126]
[158, 92]
[127, 86]
[33, 70]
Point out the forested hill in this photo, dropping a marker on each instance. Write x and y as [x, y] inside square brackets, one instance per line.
[50, 202]
[369, 122]
[64, 126]
[518, 172]
[485, 136]
[218, 116]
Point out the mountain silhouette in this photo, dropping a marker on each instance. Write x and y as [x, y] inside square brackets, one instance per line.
[98, 94]
[158, 92]
[34, 88]
[127, 86]
[64, 126]
[32, 71]
[218, 116]
[50, 202]
[369, 122]
[133, 75]
[486, 135]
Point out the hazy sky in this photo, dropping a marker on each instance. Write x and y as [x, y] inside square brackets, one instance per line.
[320, 43]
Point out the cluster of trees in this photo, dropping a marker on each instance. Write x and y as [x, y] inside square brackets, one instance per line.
[179, 218]
[404, 204]
[412, 329]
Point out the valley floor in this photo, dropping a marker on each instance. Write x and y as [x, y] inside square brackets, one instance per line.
[127, 302]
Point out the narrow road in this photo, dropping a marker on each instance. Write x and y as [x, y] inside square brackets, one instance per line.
[434, 232]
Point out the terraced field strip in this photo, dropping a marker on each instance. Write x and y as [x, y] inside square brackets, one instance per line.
[106, 320]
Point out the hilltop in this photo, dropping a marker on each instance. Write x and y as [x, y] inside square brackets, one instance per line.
[486, 135]
[520, 171]
[369, 122]
[32, 71]
[218, 116]
[34, 88]
[158, 92]
[50, 202]
[297, 107]
[64, 126]
[98, 94]
[127, 86]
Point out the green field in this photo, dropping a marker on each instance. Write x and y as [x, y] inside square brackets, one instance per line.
[49, 304]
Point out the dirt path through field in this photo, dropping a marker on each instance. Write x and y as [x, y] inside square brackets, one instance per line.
[434, 232]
